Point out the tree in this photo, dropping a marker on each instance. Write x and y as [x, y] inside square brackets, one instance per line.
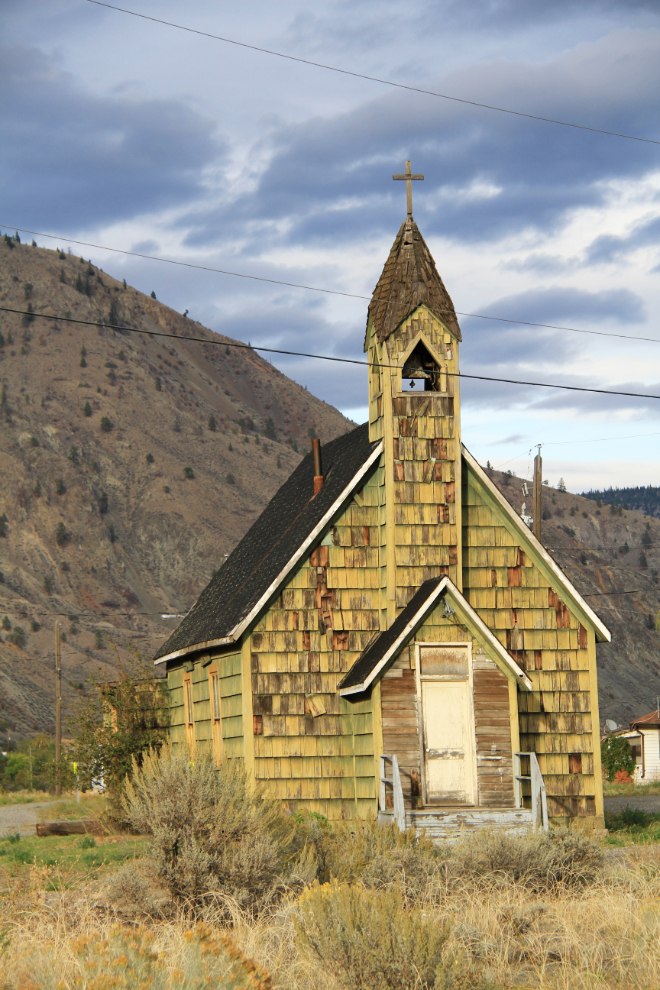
[189, 473]
[150, 458]
[60, 487]
[113, 723]
[87, 409]
[269, 429]
[103, 503]
[61, 534]
[36, 491]
[212, 423]
[153, 294]
[561, 485]
[106, 425]
[616, 755]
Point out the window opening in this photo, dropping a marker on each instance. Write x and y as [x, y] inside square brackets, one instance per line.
[216, 713]
[188, 710]
[420, 372]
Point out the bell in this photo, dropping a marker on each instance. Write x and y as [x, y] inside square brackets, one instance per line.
[413, 368]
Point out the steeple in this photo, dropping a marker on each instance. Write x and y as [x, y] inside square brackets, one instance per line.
[408, 280]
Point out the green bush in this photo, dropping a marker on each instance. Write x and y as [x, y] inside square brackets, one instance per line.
[18, 637]
[27, 289]
[216, 841]
[212, 424]
[368, 940]
[48, 584]
[6, 623]
[269, 429]
[36, 491]
[159, 386]
[189, 473]
[153, 294]
[87, 409]
[61, 534]
[230, 479]
[60, 487]
[106, 425]
[616, 754]
[103, 503]
[150, 458]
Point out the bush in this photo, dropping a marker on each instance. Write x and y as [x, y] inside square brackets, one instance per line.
[153, 294]
[189, 473]
[381, 856]
[48, 584]
[18, 637]
[3, 524]
[87, 409]
[564, 858]
[150, 458]
[106, 425]
[212, 424]
[98, 640]
[230, 479]
[74, 455]
[616, 754]
[61, 534]
[368, 941]
[125, 958]
[27, 289]
[60, 487]
[159, 386]
[103, 503]
[216, 841]
[269, 429]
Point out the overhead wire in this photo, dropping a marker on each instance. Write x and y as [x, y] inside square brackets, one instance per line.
[316, 288]
[321, 357]
[376, 79]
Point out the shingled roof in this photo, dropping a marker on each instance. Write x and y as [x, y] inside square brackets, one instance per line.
[409, 279]
[650, 721]
[271, 546]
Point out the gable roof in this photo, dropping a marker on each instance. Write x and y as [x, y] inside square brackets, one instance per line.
[408, 280]
[384, 648]
[603, 634]
[289, 525]
[650, 721]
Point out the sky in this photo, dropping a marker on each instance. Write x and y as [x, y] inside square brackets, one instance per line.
[131, 134]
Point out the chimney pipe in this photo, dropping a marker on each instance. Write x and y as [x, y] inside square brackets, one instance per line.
[318, 470]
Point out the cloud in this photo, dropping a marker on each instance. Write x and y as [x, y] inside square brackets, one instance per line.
[73, 159]
[564, 304]
[608, 248]
[488, 175]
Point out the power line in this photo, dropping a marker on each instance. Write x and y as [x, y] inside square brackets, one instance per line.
[316, 288]
[376, 79]
[323, 357]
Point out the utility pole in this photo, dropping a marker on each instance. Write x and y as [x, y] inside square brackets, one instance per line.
[58, 711]
[537, 498]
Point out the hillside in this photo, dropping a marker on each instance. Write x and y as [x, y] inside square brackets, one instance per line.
[645, 499]
[119, 494]
[606, 550]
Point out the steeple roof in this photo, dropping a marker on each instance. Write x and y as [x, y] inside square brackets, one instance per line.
[409, 279]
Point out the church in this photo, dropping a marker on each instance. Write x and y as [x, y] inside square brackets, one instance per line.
[389, 638]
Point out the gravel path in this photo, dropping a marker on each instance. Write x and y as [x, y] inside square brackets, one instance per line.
[20, 818]
[646, 802]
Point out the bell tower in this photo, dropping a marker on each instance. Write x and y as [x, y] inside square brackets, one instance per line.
[412, 341]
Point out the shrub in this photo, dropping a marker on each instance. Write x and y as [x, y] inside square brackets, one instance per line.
[87, 409]
[48, 584]
[61, 534]
[189, 473]
[564, 858]
[215, 839]
[106, 425]
[112, 536]
[153, 294]
[159, 387]
[34, 442]
[18, 637]
[6, 624]
[98, 640]
[382, 857]
[368, 941]
[60, 487]
[150, 458]
[74, 455]
[569, 530]
[230, 479]
[269, 429]
[103, 503]
[36, 626]
[28, 317]
[3, 524]
[166, 489]
[230, 448]
[212, 424]
[616, 754]
[27, 289]
[643, 562]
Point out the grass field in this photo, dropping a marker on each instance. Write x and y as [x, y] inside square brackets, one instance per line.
[62, 860]
[630, 790]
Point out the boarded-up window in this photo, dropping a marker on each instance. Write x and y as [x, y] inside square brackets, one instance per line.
[575, 762]
[216, 713]
[443, 662]
[189, 716]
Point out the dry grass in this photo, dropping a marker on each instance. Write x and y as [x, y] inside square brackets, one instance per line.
[606, 934]
[610, 789]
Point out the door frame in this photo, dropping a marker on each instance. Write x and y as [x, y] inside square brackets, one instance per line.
[420, 715]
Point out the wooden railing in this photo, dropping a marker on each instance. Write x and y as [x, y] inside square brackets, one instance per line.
[539, 797]
[394, 782]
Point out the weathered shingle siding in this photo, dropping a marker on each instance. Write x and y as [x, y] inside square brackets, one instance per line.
[519, 601]
[229, 673]
[302, 646]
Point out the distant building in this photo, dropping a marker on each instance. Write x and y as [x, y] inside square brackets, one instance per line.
[644, 740]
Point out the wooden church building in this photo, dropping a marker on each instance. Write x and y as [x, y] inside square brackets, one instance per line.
[389, 636]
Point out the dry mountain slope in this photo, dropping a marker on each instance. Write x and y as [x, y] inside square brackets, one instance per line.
[606, 551]
[117, 498]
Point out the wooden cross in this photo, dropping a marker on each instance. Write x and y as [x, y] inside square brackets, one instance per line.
[408, 177]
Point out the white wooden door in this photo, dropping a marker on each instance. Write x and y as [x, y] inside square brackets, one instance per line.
[448, 726]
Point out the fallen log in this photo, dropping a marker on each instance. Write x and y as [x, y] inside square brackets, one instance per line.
[81, 827]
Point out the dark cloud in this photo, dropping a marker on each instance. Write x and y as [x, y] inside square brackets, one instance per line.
[607, 248]
[73, 159]
[488, 175]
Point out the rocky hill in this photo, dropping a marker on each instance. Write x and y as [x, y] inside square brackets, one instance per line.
[129, 466]
[612, 555]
